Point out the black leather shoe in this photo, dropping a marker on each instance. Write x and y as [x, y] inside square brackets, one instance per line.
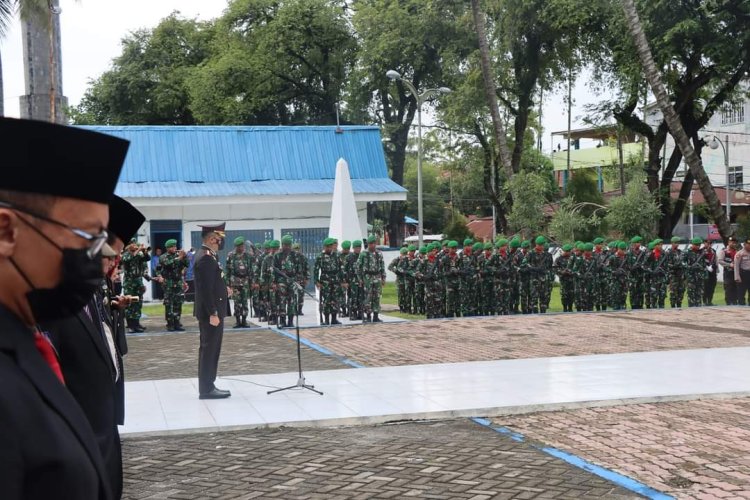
[215, 394]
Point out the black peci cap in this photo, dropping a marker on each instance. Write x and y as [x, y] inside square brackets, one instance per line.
[124, 219]
[57, 160]
[217, 228]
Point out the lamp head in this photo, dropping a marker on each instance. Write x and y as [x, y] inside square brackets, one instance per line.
[393, 74]
[714, 144]
[445, 90]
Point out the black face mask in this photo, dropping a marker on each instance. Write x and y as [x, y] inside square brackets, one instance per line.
[221, 244]
[81, 277]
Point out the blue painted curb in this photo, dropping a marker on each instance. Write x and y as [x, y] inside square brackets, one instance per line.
[610, 475]
[316, 347]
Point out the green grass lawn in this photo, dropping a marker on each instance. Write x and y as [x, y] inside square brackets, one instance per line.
[156, 310]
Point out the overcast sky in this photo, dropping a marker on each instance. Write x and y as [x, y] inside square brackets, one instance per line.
[92, 30]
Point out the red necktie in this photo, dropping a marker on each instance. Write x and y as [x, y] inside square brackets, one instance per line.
[45, 348]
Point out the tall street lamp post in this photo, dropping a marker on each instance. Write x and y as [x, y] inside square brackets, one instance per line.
[421, 98]
[714, 144]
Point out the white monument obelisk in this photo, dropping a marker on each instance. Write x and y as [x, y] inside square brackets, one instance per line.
[344, 217]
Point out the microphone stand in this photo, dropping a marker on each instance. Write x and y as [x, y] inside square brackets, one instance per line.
[300, 377]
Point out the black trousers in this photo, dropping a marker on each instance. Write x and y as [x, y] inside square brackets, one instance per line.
[743, 288]
[709, 286]
[208, 354]
[730, 288]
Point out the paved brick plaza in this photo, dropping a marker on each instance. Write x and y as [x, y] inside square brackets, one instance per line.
[696, 449]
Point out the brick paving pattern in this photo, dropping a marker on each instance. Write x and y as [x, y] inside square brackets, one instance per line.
[175, 355]
[513, 337]
[692, 449]
[439, 460]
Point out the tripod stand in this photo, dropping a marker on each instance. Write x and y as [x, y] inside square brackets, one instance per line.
[300, 377]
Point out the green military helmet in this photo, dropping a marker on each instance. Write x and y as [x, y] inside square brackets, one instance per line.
[514, 243]
[540, 240]
[372, 239]
[287, 239]
[501, 242]
[357, 244]
[651, 245]
[266, 243]
[412, 248]
[170, 243]
[488, 246]
[525, 244]
[468, 242]
[636, 239]
[567, 247]
[403, 251]
[296, 245]
[580, 246]
[598, 240]
[239, 240]
[476, 247]
[452, 244]
[328, 241]
[658, 241]
[423, 249]
[274, 244]
[445, 243]
[622, 245]
[697, 241]
[588, 247]
[346, 244]
[676, 239]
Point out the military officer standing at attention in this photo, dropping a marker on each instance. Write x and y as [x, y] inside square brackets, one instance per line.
[134, 263]
[327, 275]
[170, 274]
[567, 281]
[210, 309]
[371, 271]
[303, 274]
[695, 272]
[726, 261]
[237, 275]
[712, 270]
[676, 266]
[52, 231]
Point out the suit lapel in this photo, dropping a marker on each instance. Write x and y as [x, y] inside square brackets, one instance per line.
[15, 337]
[96, 337]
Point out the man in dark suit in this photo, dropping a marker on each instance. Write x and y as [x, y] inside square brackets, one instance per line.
[210, 310]
[90, 344]
[52, 230]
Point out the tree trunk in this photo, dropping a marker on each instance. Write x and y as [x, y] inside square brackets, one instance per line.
[673, 121]
[399, 140]
[489, 90]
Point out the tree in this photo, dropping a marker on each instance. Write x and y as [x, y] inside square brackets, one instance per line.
[425, 42]
[276, 62]
[634, 213]
[703, 48]
[147, 84]
[528, 190]
[434, 200]
[569, 224]
[457, 229]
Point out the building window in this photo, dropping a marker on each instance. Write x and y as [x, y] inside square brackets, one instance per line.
[735, 177]
[733, 113]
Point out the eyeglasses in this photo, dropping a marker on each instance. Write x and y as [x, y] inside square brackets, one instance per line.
[96, 241]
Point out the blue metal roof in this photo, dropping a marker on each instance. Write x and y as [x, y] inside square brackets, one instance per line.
[247, 154]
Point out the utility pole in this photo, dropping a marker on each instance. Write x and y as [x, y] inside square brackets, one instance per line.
[622, 163]
[570, 105]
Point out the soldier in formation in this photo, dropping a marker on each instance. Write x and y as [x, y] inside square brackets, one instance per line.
[237, 275]
[170, 273]
[134, 262]
[371, 274]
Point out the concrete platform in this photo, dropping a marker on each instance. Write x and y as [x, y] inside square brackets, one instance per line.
[483, 388]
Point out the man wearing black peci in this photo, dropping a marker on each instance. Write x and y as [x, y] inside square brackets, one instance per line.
[52, 231]
[210, 309]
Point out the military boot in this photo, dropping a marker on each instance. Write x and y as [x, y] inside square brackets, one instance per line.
[326, 319]
[375, 318]
[272, 320]
[244, 322]
[139, 327]
[334, 321]
[237, 322]
[178, 326]
[170, 326]
[367, 318]
[290, 321]
[132, 326]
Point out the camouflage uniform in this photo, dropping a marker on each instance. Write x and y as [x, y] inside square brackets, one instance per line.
[342, 292]
[468, 284]
[416, 267]
[676, 268]
[695, 275]
[617, 271]
[524, 281]
[171, 267]
[657, 269]
[586, 271]
[601, 293]
[636, 278]
[355, 292]
[397, 267]
[134, 268]
[451, 284]
[371, 272]
[562, 269]
[283, 288]
[433, 283]
[515, 256]
[537, 265]
[237, 275]
[327, 276]
[303, 277]
[487, 297]
[500, 264]
[260, 291]
[265, 278]
[574, 258]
